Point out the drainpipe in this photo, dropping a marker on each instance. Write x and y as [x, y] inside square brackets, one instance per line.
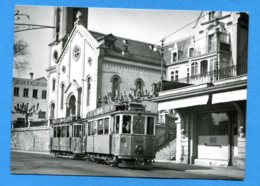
[218, 51]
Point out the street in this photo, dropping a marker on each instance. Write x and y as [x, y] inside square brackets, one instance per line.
[30, 163]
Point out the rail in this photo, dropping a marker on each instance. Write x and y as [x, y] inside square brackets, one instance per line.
[216, 75]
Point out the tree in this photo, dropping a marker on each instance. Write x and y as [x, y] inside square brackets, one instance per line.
[20, 63]
[26, 111]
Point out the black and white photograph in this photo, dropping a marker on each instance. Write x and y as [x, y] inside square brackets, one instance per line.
[140, 93]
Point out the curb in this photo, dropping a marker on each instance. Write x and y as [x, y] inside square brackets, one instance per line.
[32, 152]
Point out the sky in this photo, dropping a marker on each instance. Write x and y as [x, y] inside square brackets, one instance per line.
[138, 24]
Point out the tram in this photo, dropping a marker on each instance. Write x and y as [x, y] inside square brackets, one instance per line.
[116, 134]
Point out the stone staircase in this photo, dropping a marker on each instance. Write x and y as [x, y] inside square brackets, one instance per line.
[168, 152]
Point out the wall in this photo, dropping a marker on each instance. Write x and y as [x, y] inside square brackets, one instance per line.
[31, 139]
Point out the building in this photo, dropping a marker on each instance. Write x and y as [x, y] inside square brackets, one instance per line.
[206, 89]
[88, 69]
[29, 96]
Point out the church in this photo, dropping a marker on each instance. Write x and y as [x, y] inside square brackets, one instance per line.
[88, 69]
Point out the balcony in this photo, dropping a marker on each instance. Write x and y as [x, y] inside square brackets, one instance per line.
[216, 75]
[211, 46]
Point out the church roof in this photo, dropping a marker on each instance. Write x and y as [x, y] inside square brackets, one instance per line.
[136, 50]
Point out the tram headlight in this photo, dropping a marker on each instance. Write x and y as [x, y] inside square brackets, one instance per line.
[123, 140]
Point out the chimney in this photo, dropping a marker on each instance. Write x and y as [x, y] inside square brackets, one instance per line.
[125, 44]
[31, 76]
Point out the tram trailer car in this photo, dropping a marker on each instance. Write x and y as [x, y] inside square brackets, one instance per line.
[116, 134]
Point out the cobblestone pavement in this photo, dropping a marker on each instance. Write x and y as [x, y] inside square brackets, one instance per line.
[30, 163]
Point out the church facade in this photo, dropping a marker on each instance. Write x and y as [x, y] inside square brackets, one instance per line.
[89, 69]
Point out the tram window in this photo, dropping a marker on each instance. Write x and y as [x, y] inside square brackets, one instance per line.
[77, 131]
[94, 125]
[64, 132]
[68, 131]
[150, 125]
[106, 125]
[116, 124]
[58, 132]
[100, 126]
[54, 132]
[126, 124]
[138, 125]
[90, 129]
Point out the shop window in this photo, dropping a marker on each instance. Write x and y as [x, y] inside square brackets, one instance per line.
[126, 124]
[150, 125]
[16, 91]
[26, 92]
[213, 124]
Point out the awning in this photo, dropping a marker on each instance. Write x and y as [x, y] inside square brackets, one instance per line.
[223, 97]
[184, 102]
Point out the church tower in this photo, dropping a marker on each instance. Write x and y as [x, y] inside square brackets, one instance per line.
[65, 18]
[64, 21]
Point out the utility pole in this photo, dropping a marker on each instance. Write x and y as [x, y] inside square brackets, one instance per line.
[162, 62]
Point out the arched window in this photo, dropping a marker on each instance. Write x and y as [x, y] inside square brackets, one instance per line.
[88, 90]
[71, 109]
[53, 84]
[139, 85]
[62, 95]
[52, 110]
[194, 68]
[115, 86]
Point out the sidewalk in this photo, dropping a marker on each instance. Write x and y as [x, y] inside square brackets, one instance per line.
[33, 152]
[231, 172]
